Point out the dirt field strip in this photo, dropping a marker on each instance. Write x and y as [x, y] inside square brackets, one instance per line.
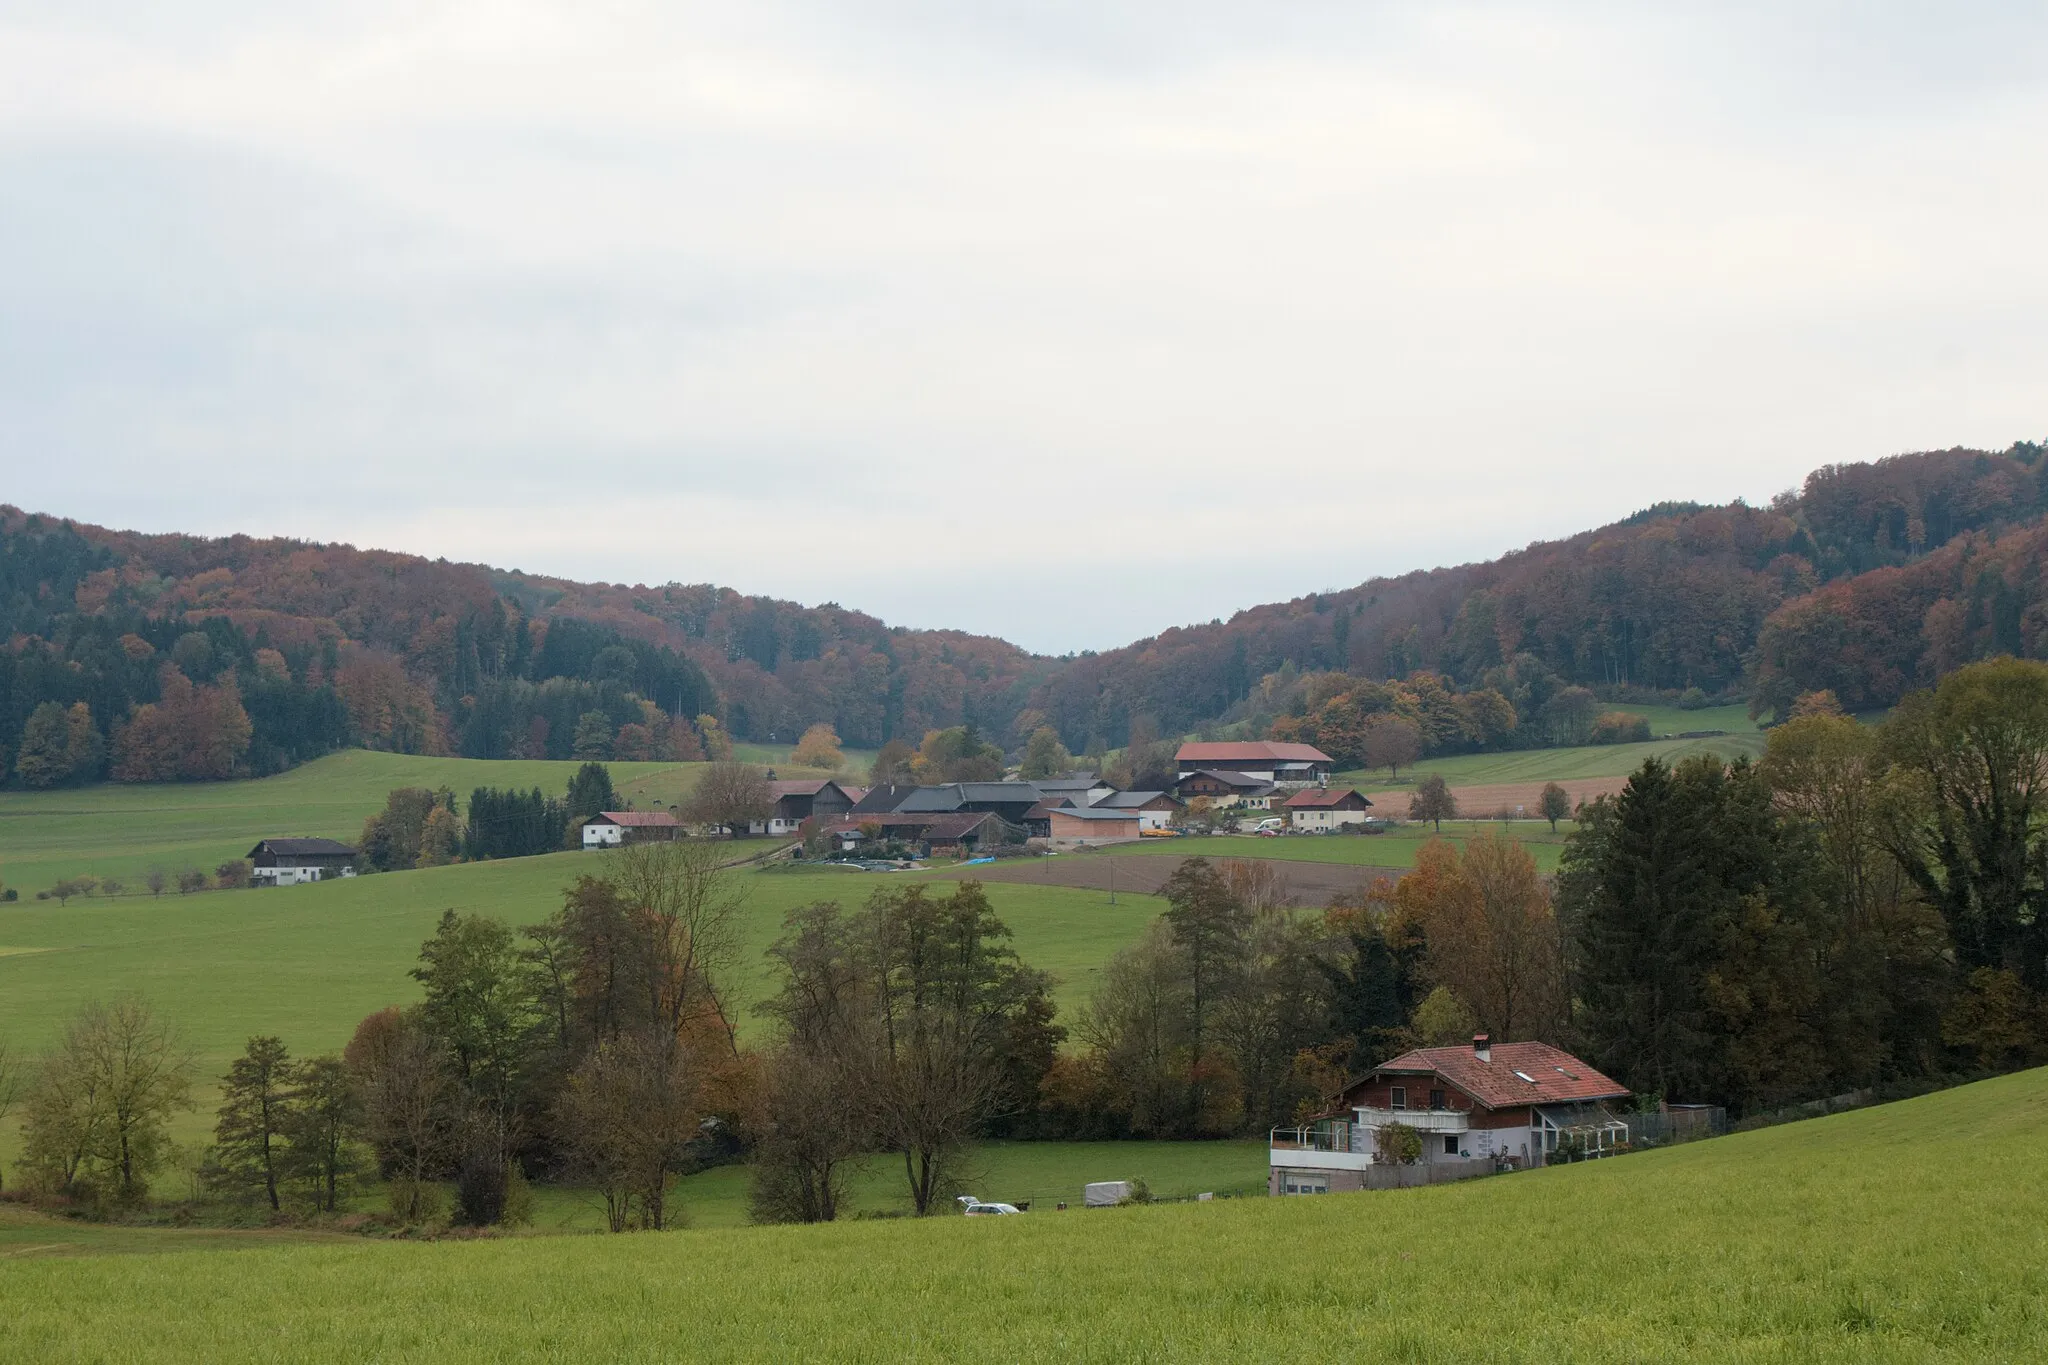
[1484, 799]
[1309, 884]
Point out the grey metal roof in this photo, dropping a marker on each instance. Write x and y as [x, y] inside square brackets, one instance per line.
[1130, 800]
[303, 848]
[882, 798]
[930, 800]
[1231, 779]
[998, 791]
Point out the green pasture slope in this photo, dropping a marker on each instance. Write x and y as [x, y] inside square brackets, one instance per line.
[1547, 765]
[121, 830]
[1395, 848]
[307, 962]
[1038, 1173]
[1910, 1233]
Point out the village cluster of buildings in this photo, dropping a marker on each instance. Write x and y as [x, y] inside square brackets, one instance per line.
[1072, 810]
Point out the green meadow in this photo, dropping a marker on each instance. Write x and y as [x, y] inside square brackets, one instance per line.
[1549, 765]
[122, 830]
[308, 962]
[1914, 1232]
[1394, 848]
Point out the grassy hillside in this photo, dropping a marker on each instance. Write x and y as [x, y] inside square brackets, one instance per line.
[307, 962]
[1548, 765]
[1915, 1232]
[1395, 848]
[121, 830]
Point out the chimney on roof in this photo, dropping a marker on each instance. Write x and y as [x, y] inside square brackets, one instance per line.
[1482, 1047]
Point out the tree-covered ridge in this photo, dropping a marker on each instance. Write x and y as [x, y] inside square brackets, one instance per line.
[1871, 579]
[310, 647]
[1673, 598]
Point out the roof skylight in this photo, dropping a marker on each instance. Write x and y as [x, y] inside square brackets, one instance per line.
[1526, 1076]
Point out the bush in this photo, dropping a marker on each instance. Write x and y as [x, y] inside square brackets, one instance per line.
[190, 880]
[10, 894]
[1141, 1193]
[232, 874]
[1692, 699]
[1619, 727]
[1398, 1144]
[422, 1201]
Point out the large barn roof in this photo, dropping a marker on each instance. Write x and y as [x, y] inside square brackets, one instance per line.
[1510, 1074]
[1249, 751]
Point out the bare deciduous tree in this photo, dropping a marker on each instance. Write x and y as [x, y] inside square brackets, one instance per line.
[10, 1080]
[683, 905]
[408, 1089]
[733, 795]
[99, 1111]
[629, 1114]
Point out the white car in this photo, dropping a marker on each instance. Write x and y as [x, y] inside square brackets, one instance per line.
[974, 1208]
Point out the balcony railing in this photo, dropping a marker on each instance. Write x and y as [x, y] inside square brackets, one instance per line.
[1329, 1136]
[1421, 1120]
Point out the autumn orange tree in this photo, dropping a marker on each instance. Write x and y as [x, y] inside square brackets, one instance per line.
[819, 748]
[1491, 932]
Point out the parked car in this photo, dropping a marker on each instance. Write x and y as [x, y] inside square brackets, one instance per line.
[974, 1208]
[1269, 826]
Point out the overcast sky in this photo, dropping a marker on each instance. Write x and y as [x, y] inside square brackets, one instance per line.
[1063, 321]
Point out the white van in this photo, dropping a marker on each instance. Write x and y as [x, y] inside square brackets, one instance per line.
[1271, 826]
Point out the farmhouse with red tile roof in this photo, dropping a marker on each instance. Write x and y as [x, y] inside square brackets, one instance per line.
[610, 828]
[1321, 808]
[1477, 1109]
[1267, 760]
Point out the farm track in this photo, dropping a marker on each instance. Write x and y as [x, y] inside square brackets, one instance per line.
[1310, 884]
[1482, 799]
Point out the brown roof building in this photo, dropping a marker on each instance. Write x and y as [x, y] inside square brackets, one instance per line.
[1476, 1109]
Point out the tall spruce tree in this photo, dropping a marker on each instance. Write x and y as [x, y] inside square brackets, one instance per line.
[249, 1141]
[1691, 905]
[590, 791]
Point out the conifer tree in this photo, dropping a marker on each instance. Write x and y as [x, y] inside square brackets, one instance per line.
[249, 1138]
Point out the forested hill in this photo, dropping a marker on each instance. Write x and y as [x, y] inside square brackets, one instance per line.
[194, 657]
[1871, 579]
[152, 657]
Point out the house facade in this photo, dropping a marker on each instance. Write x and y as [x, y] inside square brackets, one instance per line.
[933, 833]
[798, 801]
[1082, 826]
[1475, 1110]
[1083, 789]
[1326, 808]
[1226, 789]
[611, 828]
[1283, 765]
[289, 862]
[1155, 810]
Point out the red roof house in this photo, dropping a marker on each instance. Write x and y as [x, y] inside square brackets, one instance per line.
[1266, 759]
[1477, 1109]
[610, 828]
[1326, 808]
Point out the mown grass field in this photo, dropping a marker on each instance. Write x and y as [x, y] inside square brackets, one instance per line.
[307, 962]
[1395, 848]
[1915, 1232]
[1040, 1173]
[121, 830]
[1548, 765]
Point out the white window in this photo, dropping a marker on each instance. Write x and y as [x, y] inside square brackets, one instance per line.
[1304, 1182]
[1397, 1097]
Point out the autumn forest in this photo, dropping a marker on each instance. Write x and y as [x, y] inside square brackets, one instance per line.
[166, 657]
